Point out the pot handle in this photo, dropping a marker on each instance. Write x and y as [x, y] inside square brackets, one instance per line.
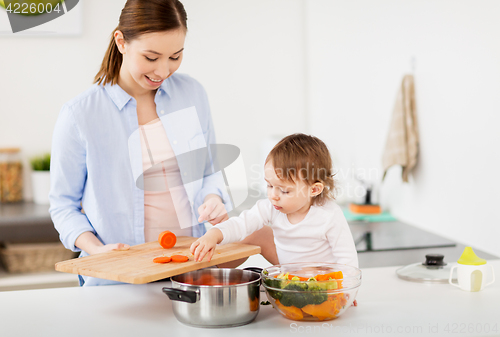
[174, 294]
[254, 269]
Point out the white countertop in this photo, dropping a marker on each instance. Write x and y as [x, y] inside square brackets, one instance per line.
[387, 305]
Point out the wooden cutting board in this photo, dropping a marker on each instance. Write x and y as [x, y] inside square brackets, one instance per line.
[136, 265]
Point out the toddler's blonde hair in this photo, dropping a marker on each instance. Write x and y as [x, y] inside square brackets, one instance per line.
[304, 157]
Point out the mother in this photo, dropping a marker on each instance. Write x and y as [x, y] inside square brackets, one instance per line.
[127, 130]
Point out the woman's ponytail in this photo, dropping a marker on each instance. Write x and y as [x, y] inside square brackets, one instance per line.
[110, 67]
[139, 17]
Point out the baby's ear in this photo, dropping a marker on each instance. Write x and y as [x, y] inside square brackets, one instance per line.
[316, 189]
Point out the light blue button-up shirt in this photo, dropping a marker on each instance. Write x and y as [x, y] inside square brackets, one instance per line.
[96, 160]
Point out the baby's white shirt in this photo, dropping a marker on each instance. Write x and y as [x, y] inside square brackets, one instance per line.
[322, 236]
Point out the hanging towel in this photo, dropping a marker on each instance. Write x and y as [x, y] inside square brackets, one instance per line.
[401, 147]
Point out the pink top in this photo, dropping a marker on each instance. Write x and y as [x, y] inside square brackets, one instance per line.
[161, 170]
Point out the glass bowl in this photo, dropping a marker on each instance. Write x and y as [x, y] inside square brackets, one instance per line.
[311, 291]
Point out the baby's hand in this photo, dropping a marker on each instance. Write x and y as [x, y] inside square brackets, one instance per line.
[206, 245]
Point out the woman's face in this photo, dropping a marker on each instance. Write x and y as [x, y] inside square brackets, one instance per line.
[151, 58]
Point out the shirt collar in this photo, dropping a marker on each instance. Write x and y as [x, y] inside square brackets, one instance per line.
[163, 89]
[120, 97]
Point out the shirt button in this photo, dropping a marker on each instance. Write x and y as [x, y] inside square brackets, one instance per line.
[162, 112]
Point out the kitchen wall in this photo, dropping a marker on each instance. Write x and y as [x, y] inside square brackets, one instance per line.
[247, 54]
[357, 54]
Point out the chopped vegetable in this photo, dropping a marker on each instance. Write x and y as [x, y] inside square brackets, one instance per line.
[331, 285]
[254, 304]
[167, 239]
[311, 297]
[290, 311]
[296, 299]
[179, 258]
[162, 259]
[321, 311]
[173, 258]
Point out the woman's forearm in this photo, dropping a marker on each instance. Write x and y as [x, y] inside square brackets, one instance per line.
[210, 196]
[88, 242]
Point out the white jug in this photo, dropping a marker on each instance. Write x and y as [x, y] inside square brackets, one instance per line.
[472, 272]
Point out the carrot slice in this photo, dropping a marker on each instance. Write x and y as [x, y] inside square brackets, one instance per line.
[179, 258]
[162, 259]
[167, 239]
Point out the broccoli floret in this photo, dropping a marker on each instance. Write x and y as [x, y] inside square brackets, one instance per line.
[277, 295]
[315, 295]
[312, 292]
[296, 286]
[274, 283]
[298, 299]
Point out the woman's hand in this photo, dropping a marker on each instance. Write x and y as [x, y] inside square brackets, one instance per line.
[89, 243]
[109, 247]
[206, 245]
[212, 210]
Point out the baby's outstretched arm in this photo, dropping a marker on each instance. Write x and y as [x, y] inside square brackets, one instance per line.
[206, 244]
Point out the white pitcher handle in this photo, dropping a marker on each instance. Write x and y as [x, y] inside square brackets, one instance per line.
[451, 276]
[492, 275]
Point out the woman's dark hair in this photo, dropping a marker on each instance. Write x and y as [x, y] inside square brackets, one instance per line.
[139, 17]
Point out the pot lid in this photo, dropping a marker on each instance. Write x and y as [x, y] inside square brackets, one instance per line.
[433, 270]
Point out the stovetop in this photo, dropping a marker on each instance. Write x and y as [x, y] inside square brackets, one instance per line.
[396, 235]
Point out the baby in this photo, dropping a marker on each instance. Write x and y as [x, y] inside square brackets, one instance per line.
[308, 226]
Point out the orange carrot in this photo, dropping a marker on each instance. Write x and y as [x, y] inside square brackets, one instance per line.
[321, 277]
[321, 311]
[290, 312]
[162, 259]
[167, 239]
[254, 304]
[179, 258]
[325, 277]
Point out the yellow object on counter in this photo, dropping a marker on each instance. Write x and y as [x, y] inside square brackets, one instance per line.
[470, 258]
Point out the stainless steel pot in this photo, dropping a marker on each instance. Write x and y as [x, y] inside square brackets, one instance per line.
[215, 297]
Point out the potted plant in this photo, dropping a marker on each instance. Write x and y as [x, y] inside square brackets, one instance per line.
[40, 177]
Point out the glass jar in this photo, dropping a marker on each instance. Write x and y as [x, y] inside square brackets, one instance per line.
[11, 175]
